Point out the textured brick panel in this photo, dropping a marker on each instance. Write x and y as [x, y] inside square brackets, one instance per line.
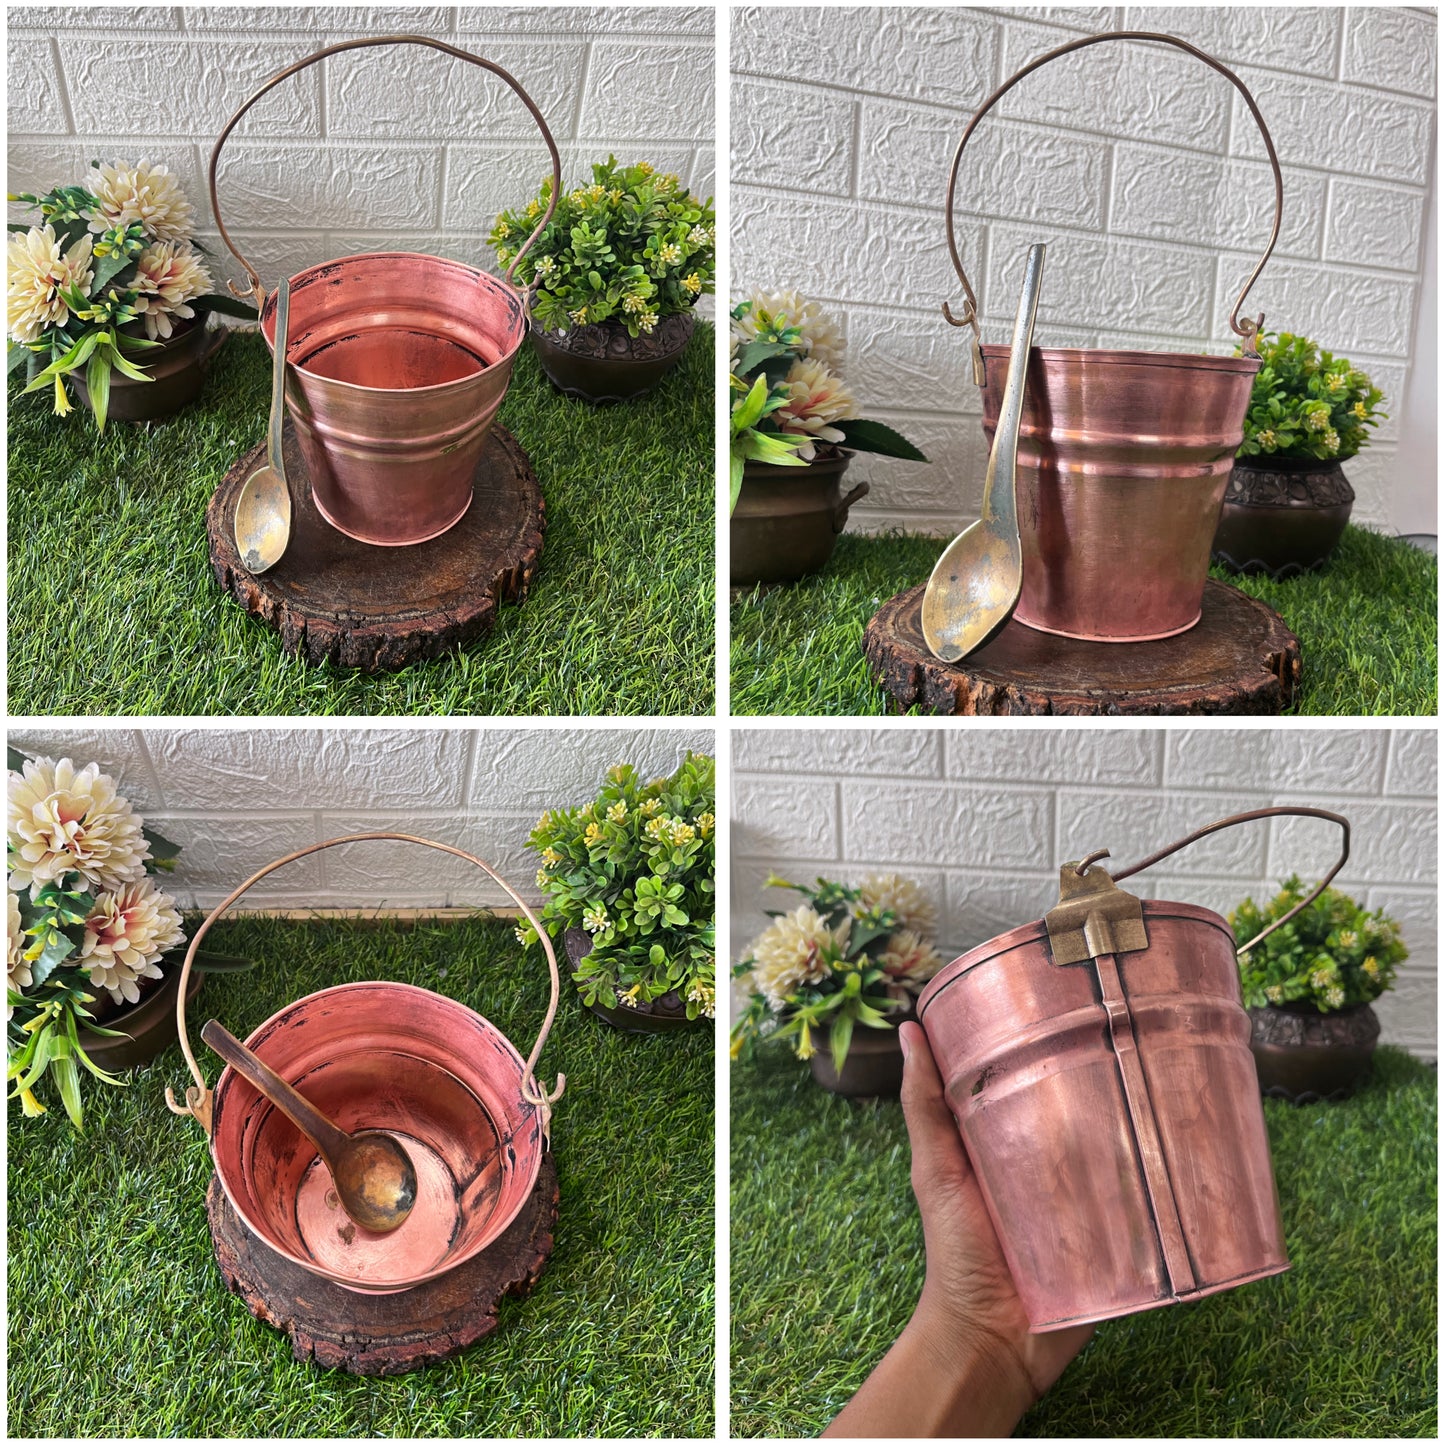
[1414, 768]
[751, 898]
[1087, 18]
[1407, 1014]
[908, 362]
[55, 19]
[327, 22]
[1301, 760]
[1304, 38]
[793, 136]
[33, 105]
[118, 752]
[945, 826]
[944, 56]
[1373, 474]
[880, 752]
[646, 102]
[1129, 757]
[586, 20]
[272, 255]
[778, 819]
[950, 482]
[983, 905]
[470, 248]
[1395, 48]
[1133, 825]
[1390, 843]
[220, 850]
[415, 94]
[1211, 201]
[1374, 225]
[1417, 913]
[184, 88]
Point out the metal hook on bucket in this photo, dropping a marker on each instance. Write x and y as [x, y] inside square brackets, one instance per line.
[258, 289]
[1245, 329]
[1089, 859]
[198, 1095]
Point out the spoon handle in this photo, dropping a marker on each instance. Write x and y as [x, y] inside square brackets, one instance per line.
[1000, 503]
[309, 1120]
[278, 380]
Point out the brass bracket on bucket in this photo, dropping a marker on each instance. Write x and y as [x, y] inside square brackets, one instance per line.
[1093, 916]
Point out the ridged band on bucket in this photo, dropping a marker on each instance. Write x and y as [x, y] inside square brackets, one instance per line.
[1103, 1086]
[441, 1079]
[1123, 456]
[396, 362]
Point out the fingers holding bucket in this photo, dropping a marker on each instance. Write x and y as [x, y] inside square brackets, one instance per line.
[940, 1165]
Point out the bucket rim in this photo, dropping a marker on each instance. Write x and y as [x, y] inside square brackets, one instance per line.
[496, 1227]
[1103, 356]
[505, 360]
[1032, 932]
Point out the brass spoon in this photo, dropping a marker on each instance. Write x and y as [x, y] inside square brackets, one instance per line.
[975, 584]
[263, 510]
[373, 1174]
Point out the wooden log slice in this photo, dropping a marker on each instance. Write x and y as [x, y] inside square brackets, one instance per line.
[336, 600]
[385, 1334]
[1239, 658]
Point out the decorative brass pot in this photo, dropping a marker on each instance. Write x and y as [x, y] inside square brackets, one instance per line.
[788, 518]
[1282, 516]
[177, 371]
[603, 364]
[1304, 1055]
[873, 1065]
[149, 1027]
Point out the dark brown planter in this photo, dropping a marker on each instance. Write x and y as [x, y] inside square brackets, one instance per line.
[178, 372]
[1282, 516]
[788, 518]
[603, 364]
[1303, 1055]
[150, 1027]
[872, 1067]
[661, 1016]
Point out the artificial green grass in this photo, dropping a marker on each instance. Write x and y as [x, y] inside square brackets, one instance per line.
[119, 1322]
[113, 608]
[827, 1263]
[1366, 626]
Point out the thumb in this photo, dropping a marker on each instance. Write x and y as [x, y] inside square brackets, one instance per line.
[939, 1162]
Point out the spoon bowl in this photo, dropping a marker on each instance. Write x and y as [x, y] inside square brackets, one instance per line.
[263, 509]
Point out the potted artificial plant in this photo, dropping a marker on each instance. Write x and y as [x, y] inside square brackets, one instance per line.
[93, 947]
[837, 975]
[1288, 501]
[110, 294]
[795, 427]
[628, 880]
[1308, 989]
[616, 275]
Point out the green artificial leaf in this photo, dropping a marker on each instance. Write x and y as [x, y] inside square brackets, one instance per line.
[873, 436]
[224, 306]
[757, 353]
[735, 481]
[163, 852]
[16, 357]
[106, 269]
[15, 760]
[57, 949]
[750, 409]
[67, 1079]
[207, 962]
[841, 1036]
[97, 383]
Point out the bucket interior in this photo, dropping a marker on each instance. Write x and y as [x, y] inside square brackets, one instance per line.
[436, 1076]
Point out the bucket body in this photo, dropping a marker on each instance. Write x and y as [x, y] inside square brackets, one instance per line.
[1111, 1111]
[1123, 458]
[398, 364]
[440, 1078]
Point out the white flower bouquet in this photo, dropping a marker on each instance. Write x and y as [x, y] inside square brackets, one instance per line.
[112, 271]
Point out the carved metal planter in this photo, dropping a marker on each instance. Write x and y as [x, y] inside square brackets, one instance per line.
[604, 364]
[1303, 1055]
[662, 1015]
[788, 518]
[1282, 516]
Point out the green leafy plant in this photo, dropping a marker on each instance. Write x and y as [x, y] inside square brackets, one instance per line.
[87, 933]
[1333, 954]
[634, 868]
[631, 249]
[789, 403]
[94, 286]
[1308, 403]
[848, 956]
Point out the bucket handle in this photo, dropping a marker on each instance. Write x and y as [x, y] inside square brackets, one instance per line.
[198, 1095]
[258, 290]
[1246, 329]
[1084, 864]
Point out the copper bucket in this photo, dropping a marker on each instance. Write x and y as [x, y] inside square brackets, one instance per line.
[1123, 456]
[397, 362]
[1097, 1063]
[447, 1084]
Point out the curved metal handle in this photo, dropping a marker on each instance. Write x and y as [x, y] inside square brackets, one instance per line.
[840, 512]
[1083, 865]
[1246, 329]
[198, 1095]
[258, 290]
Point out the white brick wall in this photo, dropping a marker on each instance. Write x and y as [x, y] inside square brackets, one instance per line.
[984, 817]
[399, 148]
[1140, 166]
[237, 799]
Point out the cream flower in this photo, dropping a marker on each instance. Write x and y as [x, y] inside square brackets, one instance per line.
[816, 397]
[792, 952]
[145, 193]
[821, 340]
[701, 994]
[125, 935]
[912, 906]
[36, 274]
[909, 959]
[17, 971]
[167, 276]
[64, 821]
